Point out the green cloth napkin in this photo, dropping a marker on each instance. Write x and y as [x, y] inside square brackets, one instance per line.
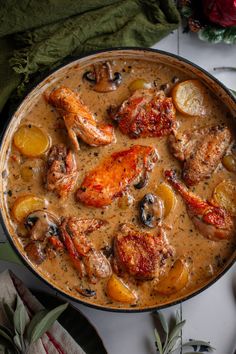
[36, 36]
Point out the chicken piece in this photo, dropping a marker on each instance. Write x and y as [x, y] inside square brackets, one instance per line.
[201, 151]
[139, 253]
[146, 113]
[109, 179]
[80, 122]
[62, 173]
[212, 221]
[87, 260]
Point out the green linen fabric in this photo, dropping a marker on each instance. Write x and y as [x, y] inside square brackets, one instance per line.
[37, 36]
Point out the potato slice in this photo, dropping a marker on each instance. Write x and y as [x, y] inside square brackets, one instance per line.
[166, 193]
[189, 97]
[139, 84]
[26, 204]
[229, 162]
[31, 141]
[176, 279]
[117, 290]
[225, 195]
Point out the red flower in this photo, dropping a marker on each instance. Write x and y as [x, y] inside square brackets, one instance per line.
[222, 12]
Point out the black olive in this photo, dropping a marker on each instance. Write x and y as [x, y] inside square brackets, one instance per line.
[86, 292]
[151, 210]
[90, 76]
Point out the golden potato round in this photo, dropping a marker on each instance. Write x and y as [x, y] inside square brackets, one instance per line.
[166, 193]
[26, 204]
[176, 279]
[117, 290]
[31, 141]
[189, 98]
[139, 84]
[225, 195]
[229, 162]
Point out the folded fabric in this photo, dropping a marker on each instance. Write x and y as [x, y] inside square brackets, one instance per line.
[38, 36]
[56, 340]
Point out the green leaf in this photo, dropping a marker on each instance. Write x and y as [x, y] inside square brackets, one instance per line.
[165, 327]
[9, 312]
[4, 333]
[164, 323]
[176, 330]
[17, 341]
[20, 318]
[198, 342]
[171, 344]
[46, 322]
[178, 317]
[35, 320]
[158, 340]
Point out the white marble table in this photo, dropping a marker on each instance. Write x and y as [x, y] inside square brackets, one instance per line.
[210, 315]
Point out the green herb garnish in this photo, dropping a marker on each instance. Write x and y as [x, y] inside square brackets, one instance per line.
[23, 331]
[169, 339]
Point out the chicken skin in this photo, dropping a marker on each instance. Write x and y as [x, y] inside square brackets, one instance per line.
[117, 171]
[139, 253]
[212, 221]
[61, 173]
[146, 113]
[88, 261]
[80, 122]
[201, 151]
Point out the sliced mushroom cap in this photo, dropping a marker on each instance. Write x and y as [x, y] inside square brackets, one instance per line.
[35, 252]
[42, 224]
[103, 78]
[86, 292]
[151, 210]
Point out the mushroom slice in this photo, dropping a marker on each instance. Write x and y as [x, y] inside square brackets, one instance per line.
[151, 209]
[42, 224]
[103, 78]
[35, 252]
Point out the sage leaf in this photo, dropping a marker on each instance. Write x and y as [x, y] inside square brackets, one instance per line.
[158, 341]
[197, 342]
[20, 318]
[4, 333]
[45, 323]
[35, 320]
[171, 344]
[164, 323]
[17, 341]
[190, 353]
[9, 312]
[176, 330]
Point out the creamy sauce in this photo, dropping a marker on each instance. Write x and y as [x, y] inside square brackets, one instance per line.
[206, 258]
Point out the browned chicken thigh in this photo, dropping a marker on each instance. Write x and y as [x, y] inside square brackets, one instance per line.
[61, 172]
[139, 253]
[86, 259]
[146, 113]
[212, 221]
[116, 172]
[79, 121]
[201, 151]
